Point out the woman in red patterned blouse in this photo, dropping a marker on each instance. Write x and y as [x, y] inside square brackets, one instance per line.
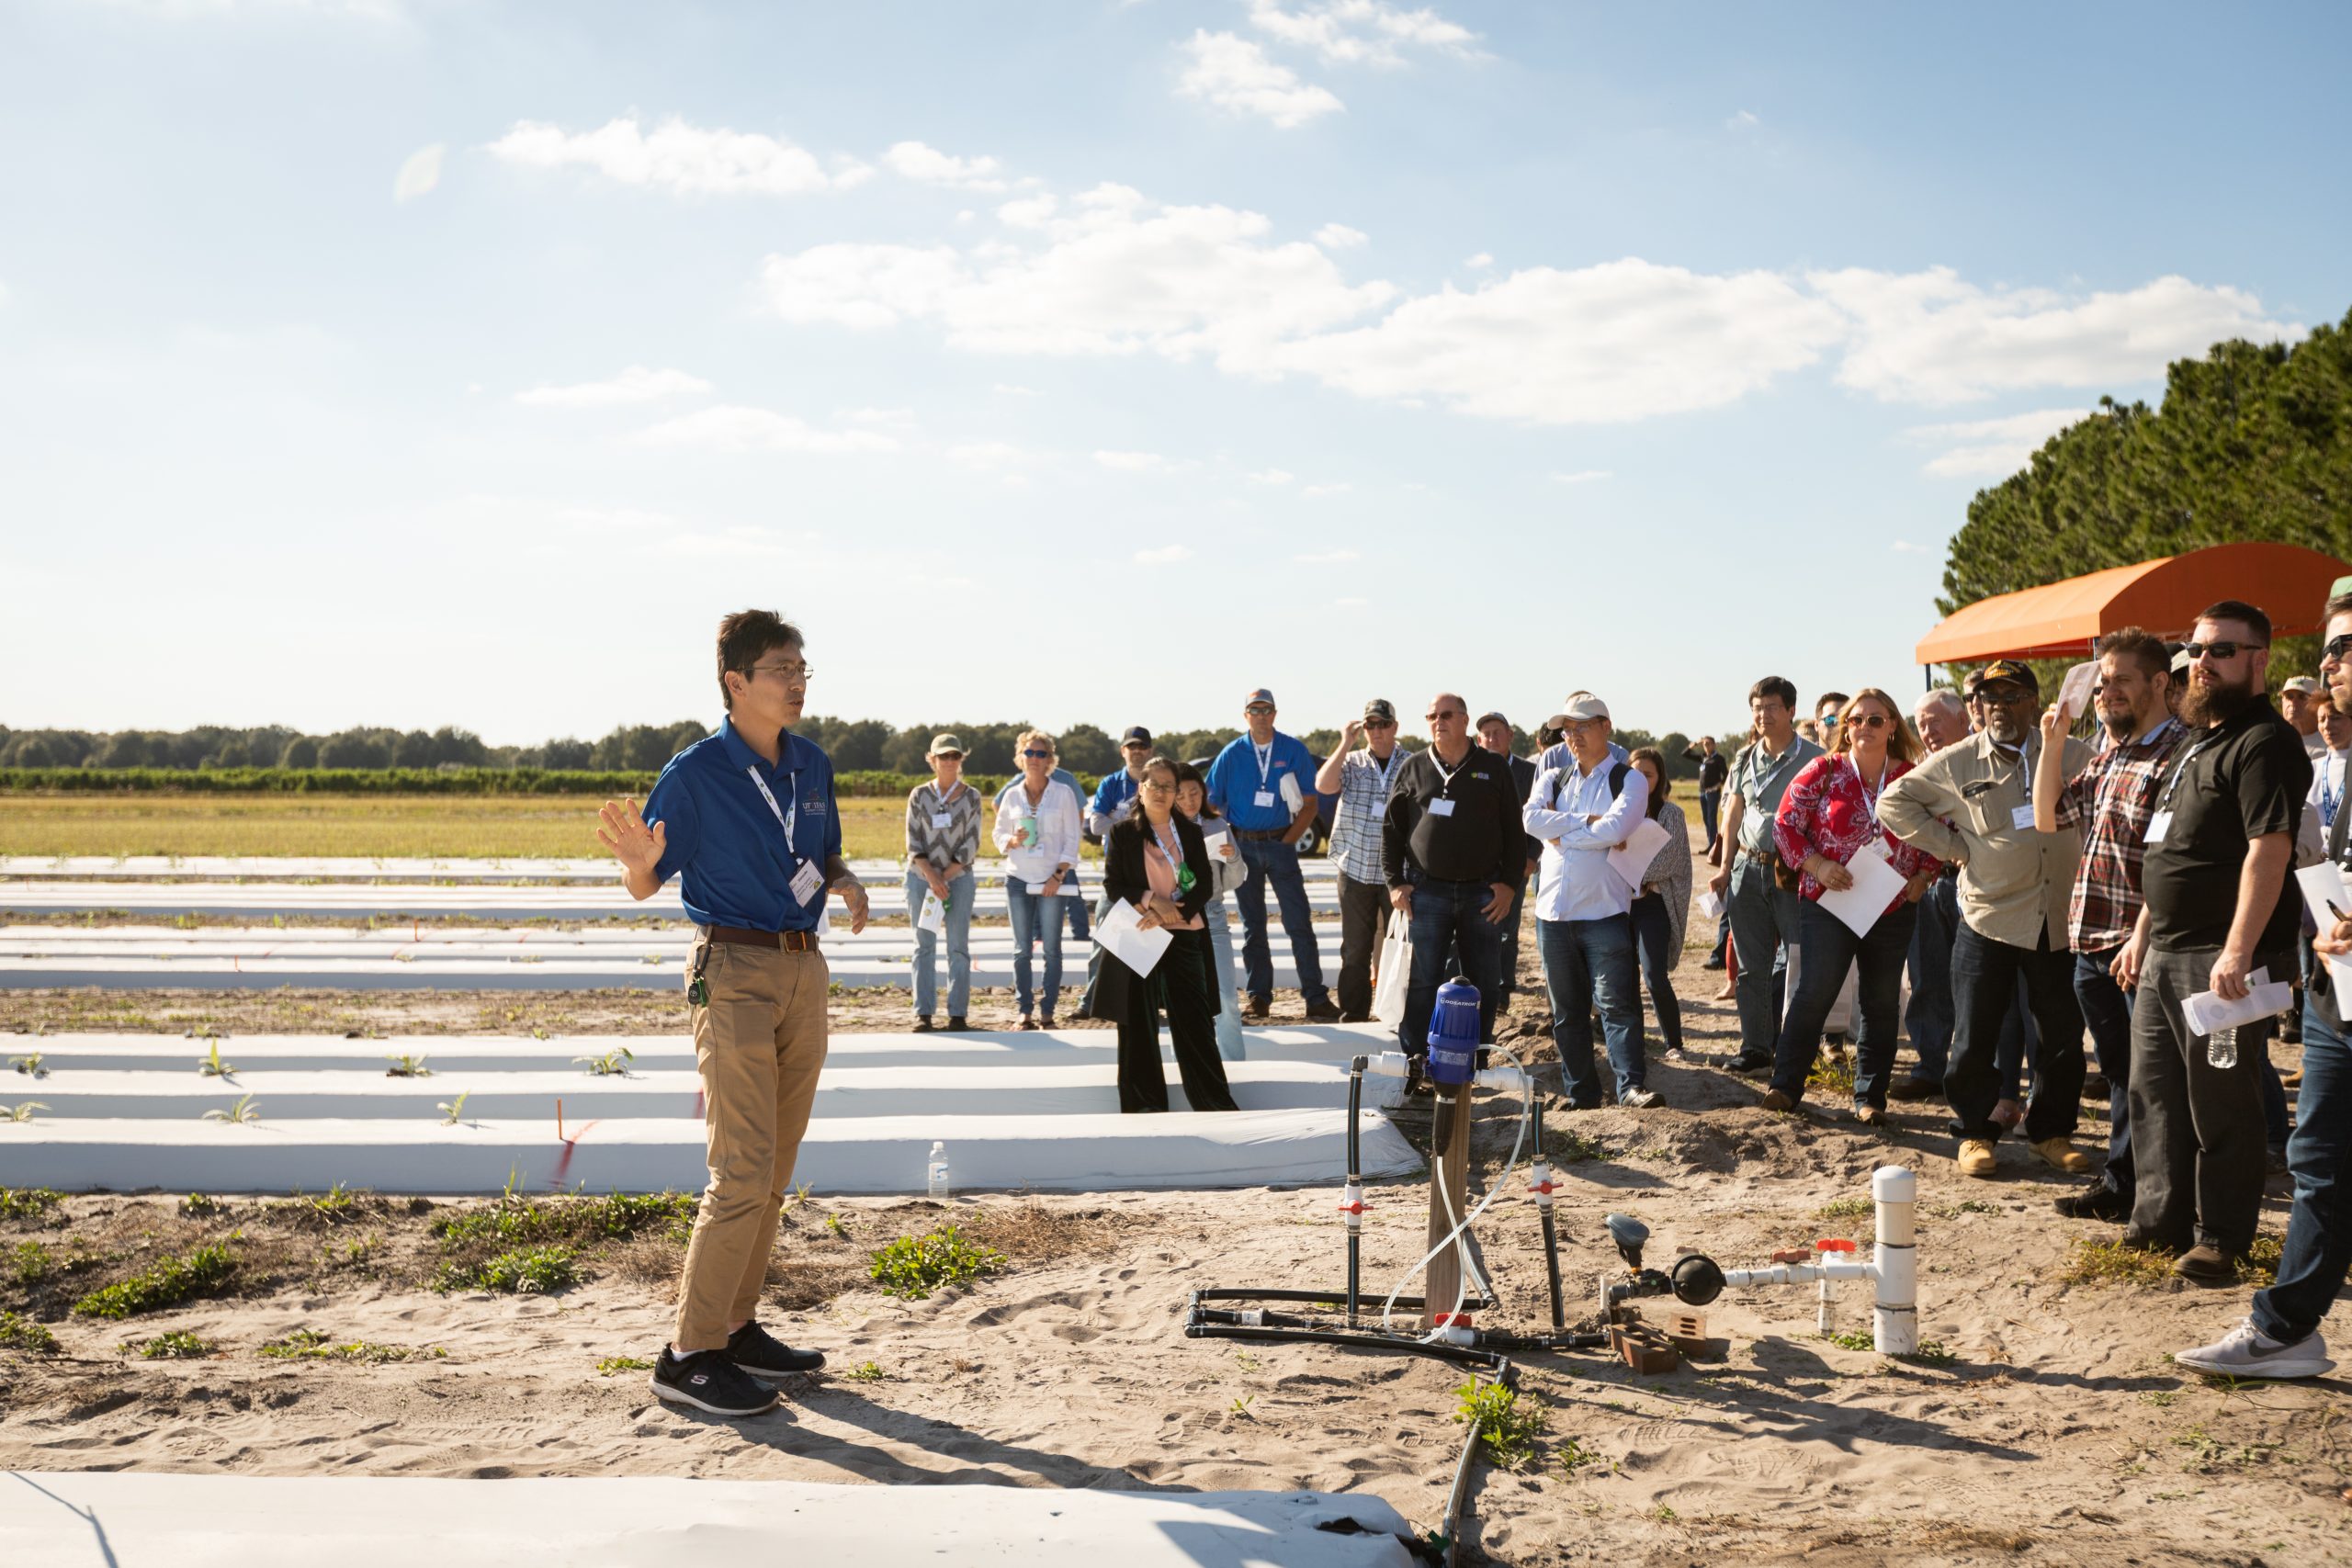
[1828, 816]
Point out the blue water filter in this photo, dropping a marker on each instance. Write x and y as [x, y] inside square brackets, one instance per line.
[1454, 1034]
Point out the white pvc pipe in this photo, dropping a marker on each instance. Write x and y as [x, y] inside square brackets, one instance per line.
[1894, 1321]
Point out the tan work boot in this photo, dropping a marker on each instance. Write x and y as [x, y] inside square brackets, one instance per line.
[1976, 1158]
[2060, 1155]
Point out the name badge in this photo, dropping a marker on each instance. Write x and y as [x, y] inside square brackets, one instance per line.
[943, 819]
[1441, 808]
[806, 882]
[2021, 815]
[2158, 825]
[1262, 800]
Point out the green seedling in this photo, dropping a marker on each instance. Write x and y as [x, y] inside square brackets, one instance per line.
[613, 1064]
[28, 1202]
[1573, 1456]
[21, 1113]
[29, 1066]
[32, 1261]
[309, 1344]
[1931, 1353]
[213, 1066]
[1241, 1405]
[451, 1110]
[237, 1115]
[1246, 1362]
[612, 1364]
[531, 1270]
[19, 1333]
[1854, 1339]
[407, 1066]
[166, 1283]
[196, 1205]
[1506, 1427]
[866, 1372]
[833, 1223]
[178, 1347]
[913, 1267]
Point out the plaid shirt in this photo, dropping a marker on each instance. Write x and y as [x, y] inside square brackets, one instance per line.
[1364, 807]
[2113, 798]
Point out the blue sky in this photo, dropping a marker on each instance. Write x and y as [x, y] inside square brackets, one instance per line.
[416, 362]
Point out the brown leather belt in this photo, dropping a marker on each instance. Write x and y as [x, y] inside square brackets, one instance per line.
[1260, 833]
[740, 936]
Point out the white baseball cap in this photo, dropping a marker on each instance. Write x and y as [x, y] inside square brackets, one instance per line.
[1583, 706]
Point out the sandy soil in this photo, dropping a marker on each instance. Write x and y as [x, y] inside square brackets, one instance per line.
[2058, 1432]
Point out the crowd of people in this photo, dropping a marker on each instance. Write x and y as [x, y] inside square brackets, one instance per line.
[2029, 886]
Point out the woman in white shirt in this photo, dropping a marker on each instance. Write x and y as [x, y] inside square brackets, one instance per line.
[1039, 825]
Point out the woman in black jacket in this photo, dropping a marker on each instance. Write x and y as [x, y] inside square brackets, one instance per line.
[1154, 861]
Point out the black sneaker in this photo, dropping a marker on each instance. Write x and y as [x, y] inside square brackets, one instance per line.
[1323, 1012]
[956, 1024]
[2098, 1203]
[1750, 1065]
[708, 1380]
[763, 1355]
[1915, 1089]
[924, 1025]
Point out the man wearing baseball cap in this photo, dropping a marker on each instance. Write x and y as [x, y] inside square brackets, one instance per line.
[1262, 784]
[1973, 802]
[2299, 702]
[1361, 779]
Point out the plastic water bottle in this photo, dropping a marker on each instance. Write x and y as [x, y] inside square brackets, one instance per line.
[938, 1171]
[2222, 1048]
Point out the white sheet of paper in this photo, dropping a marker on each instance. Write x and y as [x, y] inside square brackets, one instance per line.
[1876, 883]
[2323, 884]
[2204, 1012]
[1632, 857]
[1219, 844]
[933, 915]
[2075, 694]
[1121, 935]
[1711, 903]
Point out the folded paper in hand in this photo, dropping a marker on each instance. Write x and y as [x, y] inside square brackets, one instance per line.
[2206, 1012]
[1876, 885]
[2075, 695]
[2323, 885]
[1711, 903]
[1120, 934]
[1631, 858]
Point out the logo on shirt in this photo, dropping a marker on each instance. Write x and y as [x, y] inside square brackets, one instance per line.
[814, 805]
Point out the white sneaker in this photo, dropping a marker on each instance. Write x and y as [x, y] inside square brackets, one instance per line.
[1637, 1098]
[1673, 1053]
[2246, 1352]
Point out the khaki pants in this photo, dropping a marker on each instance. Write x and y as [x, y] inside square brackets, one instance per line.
[759, 1044]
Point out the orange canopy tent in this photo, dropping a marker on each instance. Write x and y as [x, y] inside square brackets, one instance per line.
[2061, 620]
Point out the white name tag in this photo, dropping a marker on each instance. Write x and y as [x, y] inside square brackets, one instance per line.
[1264, 798]
[806, 882]
[1441, 808]
[2158, 825]
[2021, 815]
[943, 819]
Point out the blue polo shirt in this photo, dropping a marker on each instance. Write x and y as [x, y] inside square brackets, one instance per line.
[1234, 781]
[1115, 790]
[725, 845]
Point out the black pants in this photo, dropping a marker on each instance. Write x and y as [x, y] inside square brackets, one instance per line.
[2196, 1130]
[1363, 926]
[1178, 985]
[1985, 976]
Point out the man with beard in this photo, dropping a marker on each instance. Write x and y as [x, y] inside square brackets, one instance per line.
[2219, 844]
[2281, 1338]
[2111, 801]
[2014, 884]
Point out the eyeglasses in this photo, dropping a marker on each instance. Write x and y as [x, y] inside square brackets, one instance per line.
[2337, 649]
[1032, 752]
[2219, 650]
[791, 675]
[2002, 696]
[1866, 721]
[1380, 724]
[1444, 712]
[1155, 786]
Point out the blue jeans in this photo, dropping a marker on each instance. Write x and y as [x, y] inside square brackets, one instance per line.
[1035, 917]
[1588, 965]
[1271, 860]
[1653, 935]
[1984, 976]
[1228, 1005]
[1710, 801]
[1077, 916]
[1448, 917]
[960, 894]
[1929, 1018]
[2274, 1126]
[1763, 926]
[1829, 948]
[2106, 1013]
[2319, 1228]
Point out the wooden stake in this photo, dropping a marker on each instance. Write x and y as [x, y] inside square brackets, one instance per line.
[1449, 1177]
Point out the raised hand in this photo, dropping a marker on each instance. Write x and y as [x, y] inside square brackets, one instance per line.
[623, 831]
[1353, 733]
[2054, 725]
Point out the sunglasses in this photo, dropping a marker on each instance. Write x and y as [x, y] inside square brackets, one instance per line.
[1866, 721]
[2219, 650]
[1391, 724]
[1444, 712]
[1037, 754]
[2337, 649]
[2002, 696]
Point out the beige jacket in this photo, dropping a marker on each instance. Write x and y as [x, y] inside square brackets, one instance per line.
[1960, 804]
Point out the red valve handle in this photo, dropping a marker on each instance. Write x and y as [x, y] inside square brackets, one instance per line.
[1830, 1245]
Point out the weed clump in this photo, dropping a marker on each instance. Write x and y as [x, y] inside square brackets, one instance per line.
[309, 1344]
[177, 1346]
[531, 1270]
[166, 1283]
[19, 1333]
[1506, 1427]
[612, 1364]
[912, 1267]
[2113, 1263]
[28, 1202]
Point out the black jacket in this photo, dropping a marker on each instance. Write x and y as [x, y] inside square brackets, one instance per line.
[1124, 880]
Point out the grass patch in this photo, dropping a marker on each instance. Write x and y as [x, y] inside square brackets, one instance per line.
[525, 1271]
[866, 1372]
[196, 1205]
[177, 1347]
[1569, 1147]
[2260, 1264]
[614, 1217]
[1848, 1208]
[18, 1333]
[1832, 1075]
[612, 1364]
[166, 1283]
[31, 1262]
[2112, 1263]
[309, 1344]
[913, 1267]
[28, 1202]
[1507, 1428]
[1573, 1456]
[1931, 1353]
[1853, 1339]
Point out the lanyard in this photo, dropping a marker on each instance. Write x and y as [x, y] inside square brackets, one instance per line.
[1869, 796]
[1445, 774]
[1385, 772]
[1759, 782]
[1167, 842]
[1265, 760]
[783, 819]
[2182, 768]
[2331, 796]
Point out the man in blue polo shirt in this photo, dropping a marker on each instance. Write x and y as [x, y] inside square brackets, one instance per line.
[746, 819]
[1263, 783]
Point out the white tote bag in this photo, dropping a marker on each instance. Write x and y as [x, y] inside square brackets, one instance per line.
[1395, 973]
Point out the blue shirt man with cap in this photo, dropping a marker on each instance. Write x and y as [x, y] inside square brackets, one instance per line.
[746, 819]
[1263, 783]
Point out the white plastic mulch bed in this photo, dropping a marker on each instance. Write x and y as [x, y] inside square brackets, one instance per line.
[346, 868]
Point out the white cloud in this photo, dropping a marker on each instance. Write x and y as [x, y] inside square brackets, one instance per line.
[1133, 462]
[1581, 477]
[1270, 477]
[1166, 554]
[913, 161]
[420, 171]
[1479, 262]
[1743, 120]
[1621, 341]
[1116, 273]
[1235, 74]
[1325, 558]
[986, 454]
[1991, 448]
[1316, 492]
[1360, 32]
[1339, 237]
[1929, 337]
[1906, 548]
[676, 156]
[734, 428]
[634, 385]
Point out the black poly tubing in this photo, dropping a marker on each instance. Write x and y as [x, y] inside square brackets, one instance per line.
[1334, 1298]
[1451, 1526]
[1552, 1267]
[1362, 1341]
[1355, 1183]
